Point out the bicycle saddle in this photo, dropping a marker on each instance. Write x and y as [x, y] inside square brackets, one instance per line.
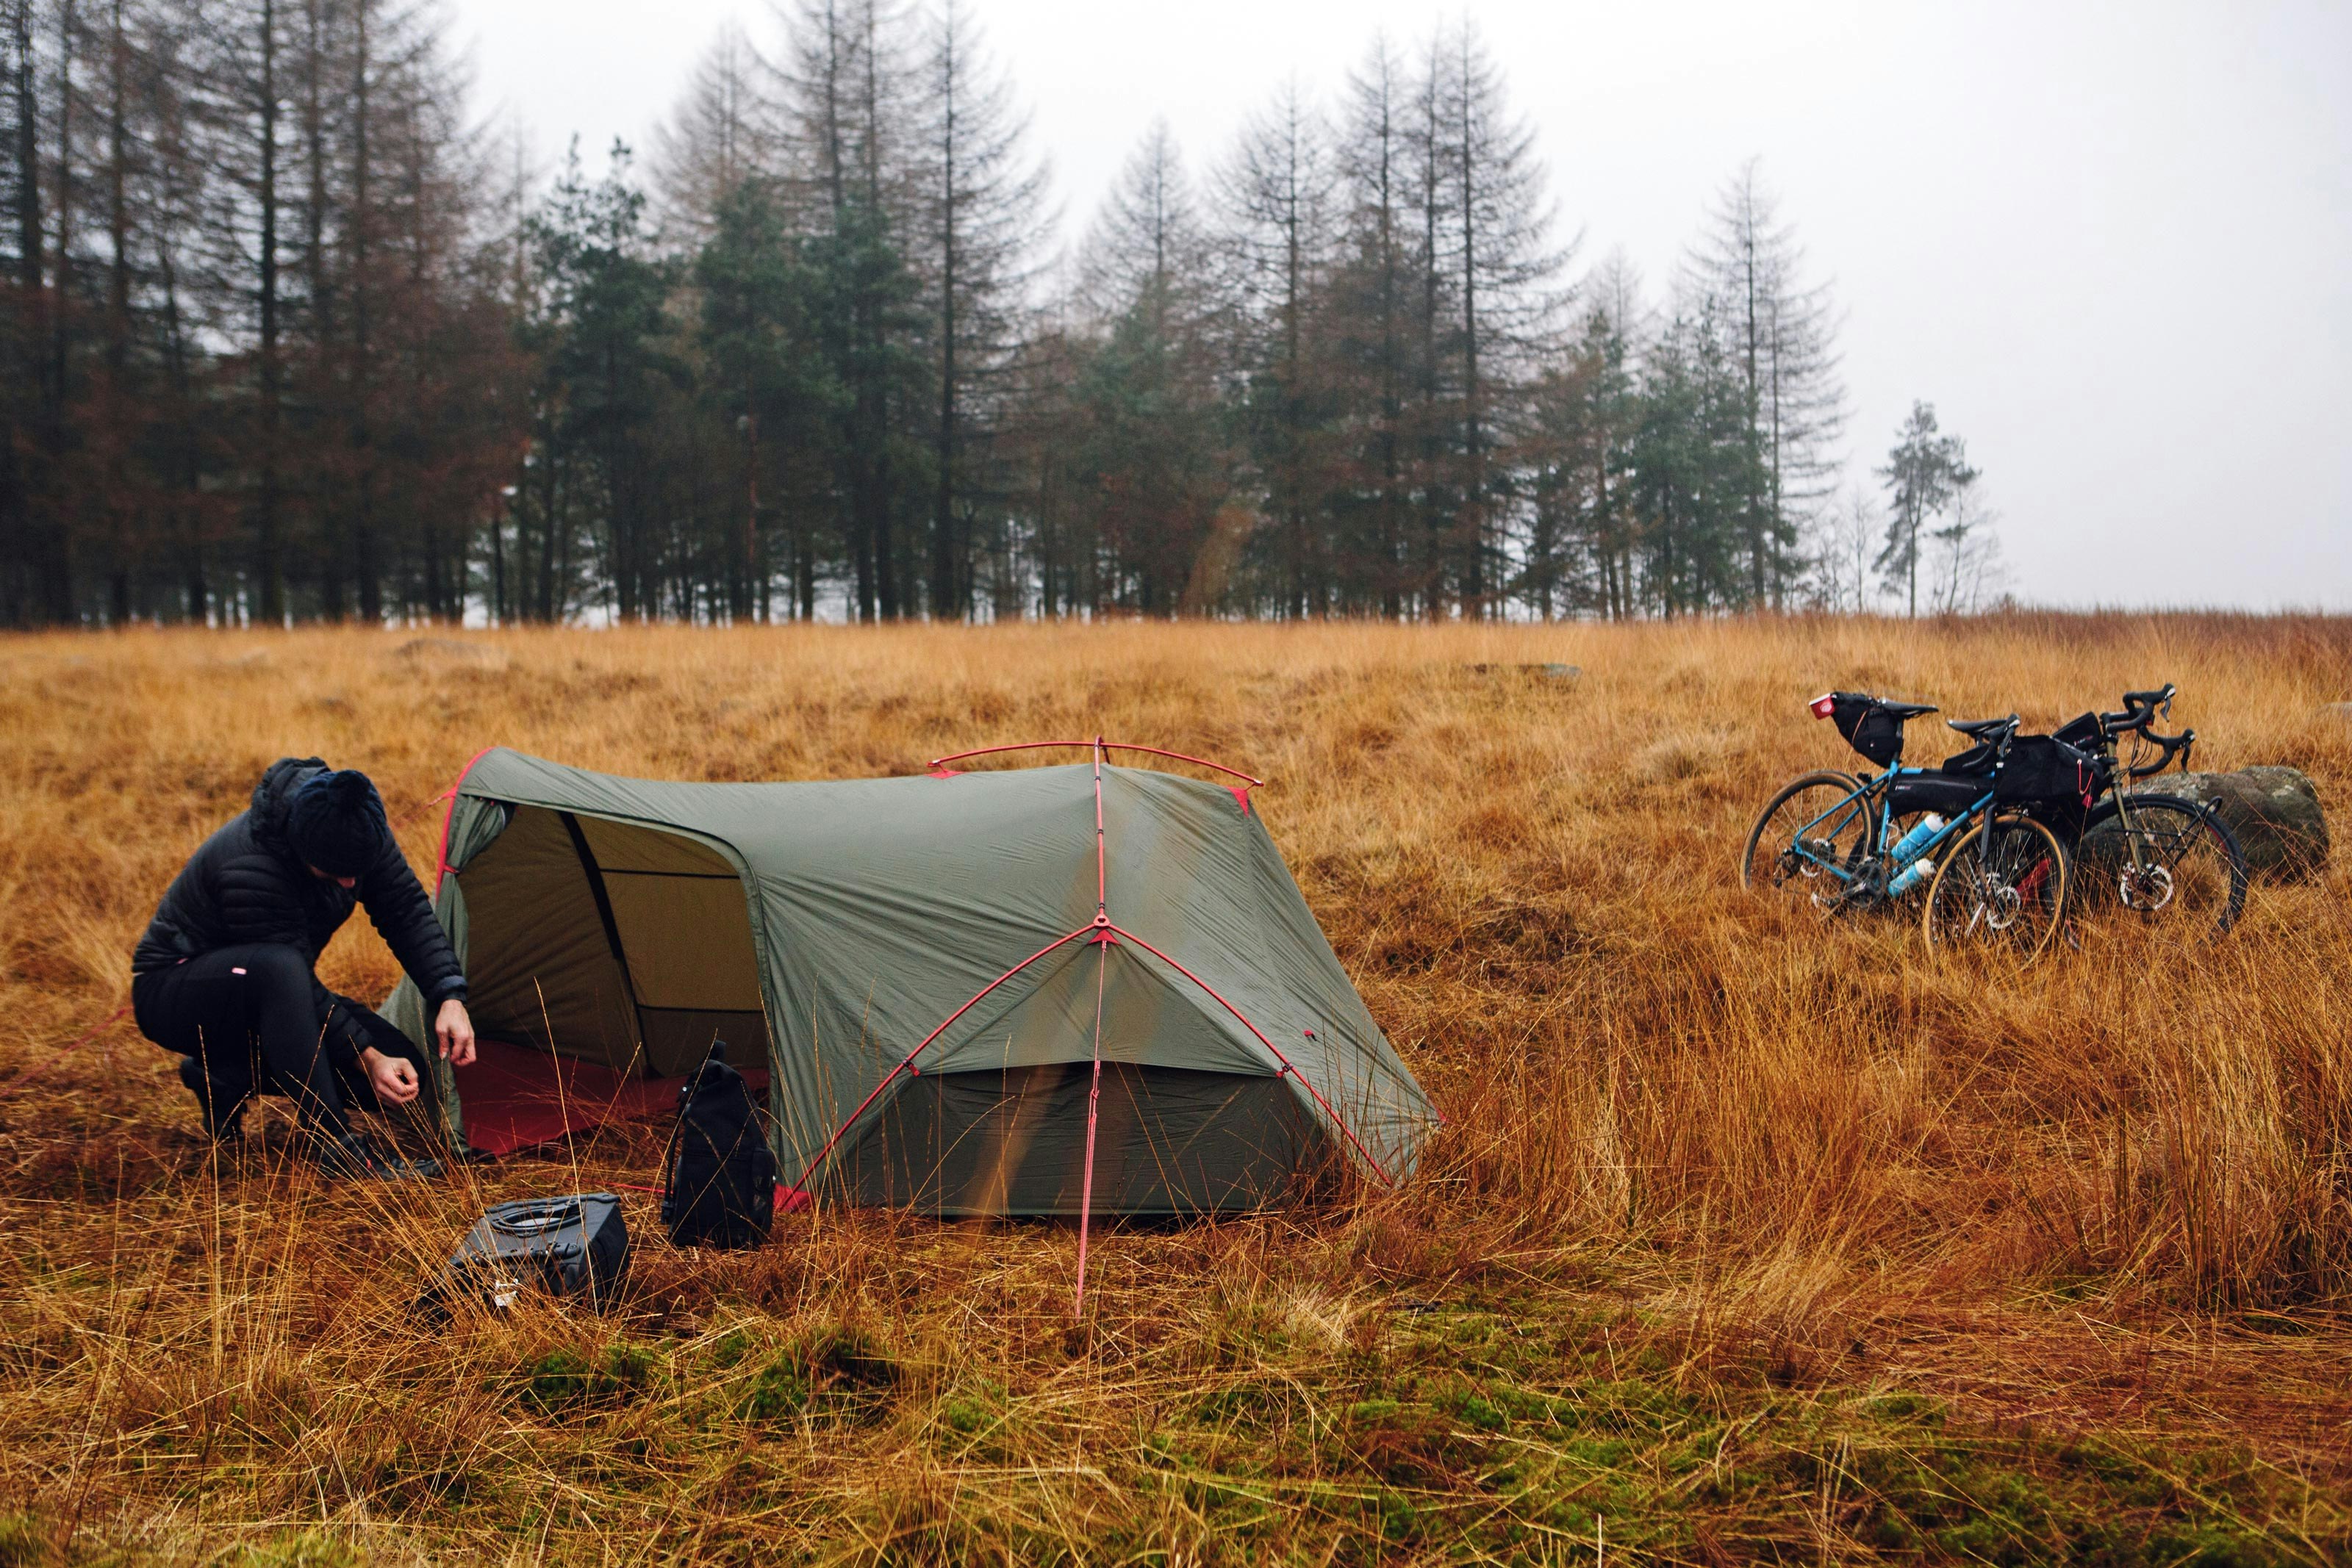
[1906, 710]
[1983, 728]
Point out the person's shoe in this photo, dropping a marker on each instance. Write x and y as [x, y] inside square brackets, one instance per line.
[224, 1121]
[351, 1157]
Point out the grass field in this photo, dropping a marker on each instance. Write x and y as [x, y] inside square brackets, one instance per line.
[1747, 1239]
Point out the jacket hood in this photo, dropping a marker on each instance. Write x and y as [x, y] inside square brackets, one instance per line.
[274, 794]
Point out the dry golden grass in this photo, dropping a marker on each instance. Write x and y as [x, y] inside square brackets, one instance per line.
[1747, 1239]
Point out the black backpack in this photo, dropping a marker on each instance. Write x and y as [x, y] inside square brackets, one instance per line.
[719, 1179]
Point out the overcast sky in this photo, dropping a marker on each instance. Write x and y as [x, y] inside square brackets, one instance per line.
[2112, 244]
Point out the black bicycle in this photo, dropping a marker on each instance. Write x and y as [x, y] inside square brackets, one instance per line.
[2161, 861]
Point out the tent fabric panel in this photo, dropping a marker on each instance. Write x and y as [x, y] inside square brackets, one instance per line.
[628, 847]
[1168, 1141]
[1222, 903]
[890, 911]
[688, 939]
[1146, 1020]
[539, 963]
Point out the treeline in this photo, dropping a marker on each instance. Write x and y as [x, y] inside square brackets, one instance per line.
[286, 339]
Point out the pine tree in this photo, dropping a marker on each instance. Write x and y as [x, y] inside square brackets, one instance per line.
[1781, 338]
[1923, 471]
[1279, 235]
[980, 226]
[1151, 454]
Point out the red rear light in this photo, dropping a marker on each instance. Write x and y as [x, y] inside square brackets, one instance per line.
[1823, 705]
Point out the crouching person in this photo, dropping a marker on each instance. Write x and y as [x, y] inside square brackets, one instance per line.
[225, 976]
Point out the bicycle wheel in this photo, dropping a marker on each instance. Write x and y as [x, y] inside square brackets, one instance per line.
[2000, 889]
[2177, 867]
[1815, 824]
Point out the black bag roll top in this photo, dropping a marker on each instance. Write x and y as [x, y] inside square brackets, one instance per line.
[576, 1244]
[1868, 726]
[719, 1179]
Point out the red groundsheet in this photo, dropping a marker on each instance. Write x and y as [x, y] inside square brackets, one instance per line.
[514, 1097]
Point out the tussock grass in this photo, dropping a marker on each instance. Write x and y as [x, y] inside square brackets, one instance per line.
[1745, 1239]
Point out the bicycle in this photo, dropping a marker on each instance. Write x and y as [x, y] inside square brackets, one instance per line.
[2170, 862]
[1995, 874]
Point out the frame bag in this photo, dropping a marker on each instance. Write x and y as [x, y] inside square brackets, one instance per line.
[718, 1179]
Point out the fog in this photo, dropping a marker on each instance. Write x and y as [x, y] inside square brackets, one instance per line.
[2109, 242]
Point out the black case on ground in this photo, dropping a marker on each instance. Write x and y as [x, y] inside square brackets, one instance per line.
[573, 1246]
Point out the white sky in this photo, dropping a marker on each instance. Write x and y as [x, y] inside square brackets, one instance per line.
[2112, 244]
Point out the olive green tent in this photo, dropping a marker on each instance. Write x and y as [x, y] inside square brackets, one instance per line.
[1038, 991]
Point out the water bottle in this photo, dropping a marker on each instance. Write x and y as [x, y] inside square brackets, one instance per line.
[1914, 871]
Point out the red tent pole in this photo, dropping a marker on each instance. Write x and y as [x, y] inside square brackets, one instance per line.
[1094, 1100]
[1094, 1087]
[940, 764]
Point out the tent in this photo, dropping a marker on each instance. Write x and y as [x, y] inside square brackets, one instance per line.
[1052, 990]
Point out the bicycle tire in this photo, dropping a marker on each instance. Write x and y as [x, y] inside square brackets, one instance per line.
[2002, 895]
[2170, 827]
[1826, 778]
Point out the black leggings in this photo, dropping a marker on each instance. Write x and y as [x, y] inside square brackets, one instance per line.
[250, 1020]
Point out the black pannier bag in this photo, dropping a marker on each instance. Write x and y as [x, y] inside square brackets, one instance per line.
[718, 1179]
[2042, 771]
[576, 1244]
[1868, 728]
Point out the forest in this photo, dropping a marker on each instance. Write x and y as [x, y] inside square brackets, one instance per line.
[288, 336]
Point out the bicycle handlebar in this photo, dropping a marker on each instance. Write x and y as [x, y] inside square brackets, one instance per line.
[2171, 746]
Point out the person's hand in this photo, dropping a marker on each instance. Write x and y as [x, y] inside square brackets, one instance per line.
[455, 1029]
[394, 1077]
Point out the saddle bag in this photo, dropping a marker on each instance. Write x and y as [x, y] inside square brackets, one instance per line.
[1868, 726]
[718, 1179]
[572, 1246]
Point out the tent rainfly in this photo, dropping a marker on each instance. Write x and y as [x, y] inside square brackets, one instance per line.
[1056, 991]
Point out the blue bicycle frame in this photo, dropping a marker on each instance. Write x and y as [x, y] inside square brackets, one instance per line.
[1872, 872]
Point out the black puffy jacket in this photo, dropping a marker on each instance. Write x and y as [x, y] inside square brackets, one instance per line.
[246, 885]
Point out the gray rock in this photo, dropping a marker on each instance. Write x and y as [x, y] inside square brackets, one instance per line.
[2275, 811]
